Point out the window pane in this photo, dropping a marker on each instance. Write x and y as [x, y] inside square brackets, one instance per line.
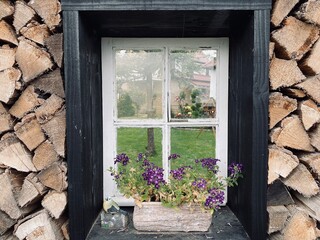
[193, 83]
[133, 141]
[139, 80]
[192, 143]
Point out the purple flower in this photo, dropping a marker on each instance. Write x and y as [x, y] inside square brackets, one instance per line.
[209, 163]
[214, 199]
[178, 173]
[140, 156]
[122, 158]
[200, 183]
[173, 156]
[154, 175]
[235, 169]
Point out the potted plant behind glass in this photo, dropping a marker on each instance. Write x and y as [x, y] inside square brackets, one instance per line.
[184, 203]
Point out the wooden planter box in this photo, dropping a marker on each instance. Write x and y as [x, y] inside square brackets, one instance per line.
[154, 217]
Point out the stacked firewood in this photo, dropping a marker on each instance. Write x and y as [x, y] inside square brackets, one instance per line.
[33, 180]
[294, 120]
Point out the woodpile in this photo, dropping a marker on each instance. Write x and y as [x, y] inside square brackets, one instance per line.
[33, 170]
[294, 121]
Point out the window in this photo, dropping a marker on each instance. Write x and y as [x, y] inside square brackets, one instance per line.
[163, 96]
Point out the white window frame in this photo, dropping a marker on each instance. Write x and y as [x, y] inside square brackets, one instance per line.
[110, 123]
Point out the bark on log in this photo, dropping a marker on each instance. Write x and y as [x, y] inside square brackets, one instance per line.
[8, 80]
[310, 12]
[32, 190]
[48, 109]
[312, 160]
[309, 113]
[277, 218]
[5, 222]
[8, 203]
[48, 10]
[281, 163]
[55, 45]
[294, 39]
[278, 194]
[294, 93]
[284, 73]
[6, 8]
[6, 122]
[26, 103]
[55, 129]
[292, 134]
[13, 154]
[7, 33]
[29, 131]
[280, 10]
[22, 15]
[7, 57]
[311, 86]
[32, 60]
[55, 203]
[315, 137]
[36, 32]
[279, 107]
[51, 83]
[302, 181]
[54, 176]
[44, 156]
[311, 64]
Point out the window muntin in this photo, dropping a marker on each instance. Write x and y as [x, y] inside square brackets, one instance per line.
[167, 122]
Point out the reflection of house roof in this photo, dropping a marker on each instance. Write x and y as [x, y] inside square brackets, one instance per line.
[201, 80]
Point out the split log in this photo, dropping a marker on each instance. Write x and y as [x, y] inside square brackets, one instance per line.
[7, 57]
[15, 155]
[35, 225]
[281, 163]
[16, 181]
[315, 137]
[8, 79]
[292, 134]
[36, 32]
[312, 160]
[55, 176]
[271, 50]
[65, 230]
[32, 60]
[5, 222]
[309, 113]
[294, 39]
[55, 203]
[311, 64]
[309, 205]
[44, 155]
[6, 8]
[284, 73]
[55, 129]
[56, 226]
[278, 194]
[300, 226]
[48, 109]
[55, 45]
[279, 107]
[8, 203]
[302, 181]
[281, 9]
[6, 122]
[29, 131]
[32, 190]
[311, 86]
[48, 10]
[294, 93]
[51, 83]
[7, 34]
[26, 103]
[22, 15]
[310, 12]
[277, 218]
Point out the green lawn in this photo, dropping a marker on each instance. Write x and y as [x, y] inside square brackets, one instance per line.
[190, 143]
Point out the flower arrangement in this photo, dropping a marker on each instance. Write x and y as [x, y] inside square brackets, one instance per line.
[200, 183]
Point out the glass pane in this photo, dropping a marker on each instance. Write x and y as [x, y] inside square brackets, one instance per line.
[192, 143]
[139, 80]
[133, 141]
[193, 83]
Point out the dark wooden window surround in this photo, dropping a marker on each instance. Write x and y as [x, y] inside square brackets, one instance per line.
[245, 22]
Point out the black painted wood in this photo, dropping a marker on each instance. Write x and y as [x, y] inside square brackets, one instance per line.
[104, 5]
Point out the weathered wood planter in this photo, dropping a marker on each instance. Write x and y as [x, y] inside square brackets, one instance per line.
[152, 216]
